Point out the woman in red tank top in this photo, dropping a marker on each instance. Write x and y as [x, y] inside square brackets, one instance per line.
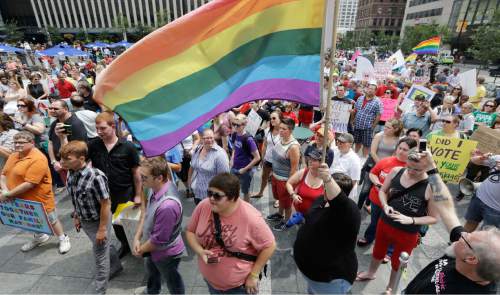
[305, 185]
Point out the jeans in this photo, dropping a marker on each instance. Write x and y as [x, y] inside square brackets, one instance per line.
[372, 228]
[365, 191]
[337, 286]
[245, 179]
[479, 211]
[166, 269]
[238, 290]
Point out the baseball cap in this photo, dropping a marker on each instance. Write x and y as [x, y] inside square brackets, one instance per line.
[345, 137]
[315, 154]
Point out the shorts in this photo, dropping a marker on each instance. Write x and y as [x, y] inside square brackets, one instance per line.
[305, 116]
[245, 180]
[268, 164]
[280, 193]
[363, 136]
[479, 211]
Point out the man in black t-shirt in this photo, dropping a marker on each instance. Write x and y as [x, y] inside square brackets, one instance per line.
[471, 266]
[324, 248]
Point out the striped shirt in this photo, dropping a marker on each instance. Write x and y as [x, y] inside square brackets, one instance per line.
[215, 162]
[87, 187]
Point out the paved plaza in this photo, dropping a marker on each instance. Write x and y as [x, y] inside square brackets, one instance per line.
[44, 271]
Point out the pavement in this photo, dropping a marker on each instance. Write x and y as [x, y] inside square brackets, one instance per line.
[44, 271]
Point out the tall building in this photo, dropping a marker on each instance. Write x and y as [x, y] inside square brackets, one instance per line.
[93, 15]
[347, 15]
[427, 12]
[384, 16]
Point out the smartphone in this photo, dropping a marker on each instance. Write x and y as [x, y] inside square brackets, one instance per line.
[67, 129]
[423, 145]
[213, 259]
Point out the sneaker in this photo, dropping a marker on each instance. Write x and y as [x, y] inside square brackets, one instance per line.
[297, 218]
[280, 226]
[459, 197]
[275, 217]
[37, 241]
[64, 245]
[140, 290]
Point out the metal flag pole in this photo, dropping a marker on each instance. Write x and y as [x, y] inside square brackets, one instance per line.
[332, 20]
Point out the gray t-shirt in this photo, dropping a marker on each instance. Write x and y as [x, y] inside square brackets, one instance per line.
[489, 190]
[411, 120]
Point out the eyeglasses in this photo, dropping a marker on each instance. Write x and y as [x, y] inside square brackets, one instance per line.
[21, 105]
[54, 109]
[466, 242]
[447, 121]
[217, 196]
[237, 125]
[274, 118]
[20, 142]
[489, 105]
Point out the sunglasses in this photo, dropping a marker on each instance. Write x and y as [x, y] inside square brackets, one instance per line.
[447, 121]
[489, 105]
[237, 125]
[217, 196]
[387, 92]
[21, 105]
[54, 109]
[274, 118]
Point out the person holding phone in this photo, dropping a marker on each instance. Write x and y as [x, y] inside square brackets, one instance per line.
[230, 237]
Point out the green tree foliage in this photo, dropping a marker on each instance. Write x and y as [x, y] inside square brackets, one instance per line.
[55, 35]
[121, 23]
[486, 41]
[105, 36]
[12, 31]
[416, 34]
[385, 42]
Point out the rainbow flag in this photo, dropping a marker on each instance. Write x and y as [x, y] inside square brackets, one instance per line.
[221, 55]
[430, 46]
[411, 58]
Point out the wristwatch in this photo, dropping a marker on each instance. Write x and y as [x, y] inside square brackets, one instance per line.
[432, 171]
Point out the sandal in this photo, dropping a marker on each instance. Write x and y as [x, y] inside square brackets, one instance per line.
[362, 242]
[276, 204]
[368, 209]
[386, 259]
[361, 277]
[256, 196]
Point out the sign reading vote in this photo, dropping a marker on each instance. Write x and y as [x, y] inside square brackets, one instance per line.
[451, 156]
[26, 215]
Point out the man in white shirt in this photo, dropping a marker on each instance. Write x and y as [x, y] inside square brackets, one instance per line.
[346, 161]
[453, 80]
[86, 116]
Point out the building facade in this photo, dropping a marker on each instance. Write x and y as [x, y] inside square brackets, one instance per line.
[94, 15]
[347, 15]
[383, 16]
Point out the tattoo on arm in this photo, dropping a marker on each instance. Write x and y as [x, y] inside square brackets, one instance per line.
[439, 192]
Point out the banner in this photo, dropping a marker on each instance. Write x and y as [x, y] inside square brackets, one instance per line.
[26, 215]
[397, 59]
[339, 117]
[253, 122]
[364, 69]
[468, 82]
[488, 140]
[382, 70]
[451, 155]
[389, 106]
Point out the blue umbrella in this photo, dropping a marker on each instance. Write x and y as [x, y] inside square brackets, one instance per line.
[97, 44]
[8, 49]
[63, 50]
[121, 44]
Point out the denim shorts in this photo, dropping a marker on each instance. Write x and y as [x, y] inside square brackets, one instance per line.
[245, 179]
[479, 211]
[337, 286]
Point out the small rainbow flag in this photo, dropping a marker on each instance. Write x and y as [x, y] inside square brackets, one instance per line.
[219, 56]
[411, 58]
[430, 46]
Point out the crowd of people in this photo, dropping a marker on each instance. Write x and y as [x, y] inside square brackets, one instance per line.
[54, 139]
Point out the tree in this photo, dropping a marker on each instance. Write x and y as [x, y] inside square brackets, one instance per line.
[163, 17]
[486, 41]
[54, 35]
[386, 43]
[414, 35]
[121, 23]
[143, 30]
[82, 36]
[347, 41]
[12, 31]
[104, 36]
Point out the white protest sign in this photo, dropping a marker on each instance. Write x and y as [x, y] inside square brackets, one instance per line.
[364, 69]
[340, 116]
[382, 70]
[253, 124]
[397, 59]
[468, 82]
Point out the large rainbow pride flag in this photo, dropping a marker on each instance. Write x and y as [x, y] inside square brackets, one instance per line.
[430, 46]
[221, 55]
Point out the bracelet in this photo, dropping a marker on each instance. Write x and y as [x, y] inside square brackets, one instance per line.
[253, 275]
[432, 171]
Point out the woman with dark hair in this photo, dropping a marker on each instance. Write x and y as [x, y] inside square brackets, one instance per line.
[271, 140]
[456, 92]
[487, 116]
[36, 89]
[7, 133]
[28, 119]
[230, 237]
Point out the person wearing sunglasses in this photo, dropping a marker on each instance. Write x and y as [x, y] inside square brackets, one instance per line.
[487, 116]
[36, 89]
[470, 265]
[231, 239]
[158, 236]
[449, 128]
[27, 118]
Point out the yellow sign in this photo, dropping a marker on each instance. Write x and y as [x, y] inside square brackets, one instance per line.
[451, 156]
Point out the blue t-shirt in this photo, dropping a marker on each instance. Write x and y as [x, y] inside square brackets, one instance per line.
[174, 155]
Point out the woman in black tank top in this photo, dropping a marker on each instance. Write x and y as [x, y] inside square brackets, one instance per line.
[404, 197]
[36, 89]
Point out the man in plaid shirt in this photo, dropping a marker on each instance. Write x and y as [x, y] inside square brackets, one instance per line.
[368, 109]
[88, 188]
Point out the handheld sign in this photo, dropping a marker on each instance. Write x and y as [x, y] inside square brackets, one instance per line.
[253, 124]
[26, 215]
[451, 156]
[389, 106]
[340, 116]
[488, 140]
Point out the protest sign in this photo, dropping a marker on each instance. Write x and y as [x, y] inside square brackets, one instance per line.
[253, 124]
[468, 82]
[364, 69]
[488, 140]
[406, 105]
[339, 117]
[451, 156]
[397, 60]
[26, 215]
[416, 90]
[420, 80]
[382, 70]
[389, 106]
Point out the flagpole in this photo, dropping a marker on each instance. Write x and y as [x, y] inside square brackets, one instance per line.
[330, 80]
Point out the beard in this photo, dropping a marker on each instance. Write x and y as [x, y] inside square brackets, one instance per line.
[450, 251]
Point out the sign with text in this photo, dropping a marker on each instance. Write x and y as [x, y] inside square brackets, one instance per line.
[419, 90]
[339, 116]
[389, 108]
[451, 156]
[253, 124]
[26, 215]
[382, 70]
[488, 140]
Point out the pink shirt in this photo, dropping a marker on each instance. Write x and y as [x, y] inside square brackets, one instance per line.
[244, 231]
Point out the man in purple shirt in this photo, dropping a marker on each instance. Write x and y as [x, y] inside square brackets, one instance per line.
[159, 228]
[245, 155]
